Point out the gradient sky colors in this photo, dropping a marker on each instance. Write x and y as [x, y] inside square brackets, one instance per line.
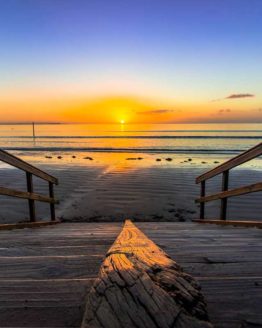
[141, 61]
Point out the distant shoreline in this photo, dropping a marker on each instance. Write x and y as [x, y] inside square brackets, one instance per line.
[30, 123]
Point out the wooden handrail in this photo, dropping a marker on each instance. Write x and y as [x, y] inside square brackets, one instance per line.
[29, 194]
[22, 165]
[232, 192]
[233, 162]
[225, 193]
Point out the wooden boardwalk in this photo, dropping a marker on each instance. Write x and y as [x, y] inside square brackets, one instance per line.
[227, 261]
[45, 273]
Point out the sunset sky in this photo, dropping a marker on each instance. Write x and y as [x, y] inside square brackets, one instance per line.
[141, 61]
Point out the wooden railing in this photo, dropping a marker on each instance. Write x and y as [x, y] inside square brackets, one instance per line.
[30, 171]
[225, 193]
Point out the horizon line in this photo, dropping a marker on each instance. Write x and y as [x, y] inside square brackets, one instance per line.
[126, 123]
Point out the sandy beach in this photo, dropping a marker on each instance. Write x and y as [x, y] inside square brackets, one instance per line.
[116, 186]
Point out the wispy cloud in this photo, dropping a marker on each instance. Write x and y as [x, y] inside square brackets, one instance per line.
[224, 111]
[156, 111]
[240, 95]
[235, 96]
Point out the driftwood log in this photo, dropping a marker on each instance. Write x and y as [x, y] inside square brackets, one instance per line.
[140, 286]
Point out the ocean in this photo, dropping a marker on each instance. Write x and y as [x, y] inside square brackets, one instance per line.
[168, 138]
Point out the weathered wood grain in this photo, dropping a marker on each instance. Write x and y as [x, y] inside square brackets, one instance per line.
[46, 272]
[227, 261]
[257, 224]
[140, 286]
[23, 225]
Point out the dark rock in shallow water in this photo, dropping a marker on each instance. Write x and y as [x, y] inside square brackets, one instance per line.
[169, 159]
[131, 159]
[73, 156]
[139, 158]
[216, 162]
[190, 159]
[158, 159]
[157, 217]
[190, 211]
[59, 157]
[90, 158]
[48, 157]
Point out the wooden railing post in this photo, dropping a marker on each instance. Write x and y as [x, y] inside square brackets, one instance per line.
[202, 194]
[52, 205]
[223, 206]
[29, 194]
[31, 202]
[226, 193]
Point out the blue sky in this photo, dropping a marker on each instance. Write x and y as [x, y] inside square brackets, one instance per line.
[182, 51]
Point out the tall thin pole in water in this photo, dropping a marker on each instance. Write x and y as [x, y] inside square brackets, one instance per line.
[33, 129]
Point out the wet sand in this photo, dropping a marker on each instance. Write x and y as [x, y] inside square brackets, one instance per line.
[141, 187]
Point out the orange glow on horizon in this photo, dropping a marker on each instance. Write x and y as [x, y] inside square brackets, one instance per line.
[124, 110]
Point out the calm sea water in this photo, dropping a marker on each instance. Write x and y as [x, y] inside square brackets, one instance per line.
[201, 138]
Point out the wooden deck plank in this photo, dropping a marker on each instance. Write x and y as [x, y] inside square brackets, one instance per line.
[237, 223]
[22, 225]
[46, 272]
[227, 261]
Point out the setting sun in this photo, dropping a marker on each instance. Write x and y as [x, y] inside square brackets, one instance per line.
[122, 121]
